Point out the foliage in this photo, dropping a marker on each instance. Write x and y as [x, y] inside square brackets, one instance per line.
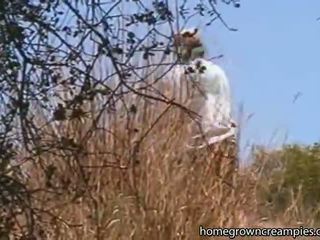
[290, 180]
[65, 62]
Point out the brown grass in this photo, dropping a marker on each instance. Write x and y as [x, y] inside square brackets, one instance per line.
[134, 179]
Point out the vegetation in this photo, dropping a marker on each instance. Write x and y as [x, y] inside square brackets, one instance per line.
[289, 182]
[91, 147]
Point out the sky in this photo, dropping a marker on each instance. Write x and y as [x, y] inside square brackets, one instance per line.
[273, 56]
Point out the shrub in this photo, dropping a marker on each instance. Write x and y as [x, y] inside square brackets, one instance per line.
[290, 180]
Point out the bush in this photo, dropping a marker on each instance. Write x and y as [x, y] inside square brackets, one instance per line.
[290, 180]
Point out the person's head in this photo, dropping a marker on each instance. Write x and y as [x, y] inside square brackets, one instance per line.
[188, 44]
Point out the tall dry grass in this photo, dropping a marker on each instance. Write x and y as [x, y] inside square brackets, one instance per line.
[132, 177]
[129, 175]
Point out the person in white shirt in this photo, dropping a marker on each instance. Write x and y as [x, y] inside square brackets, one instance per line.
[213, 101]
